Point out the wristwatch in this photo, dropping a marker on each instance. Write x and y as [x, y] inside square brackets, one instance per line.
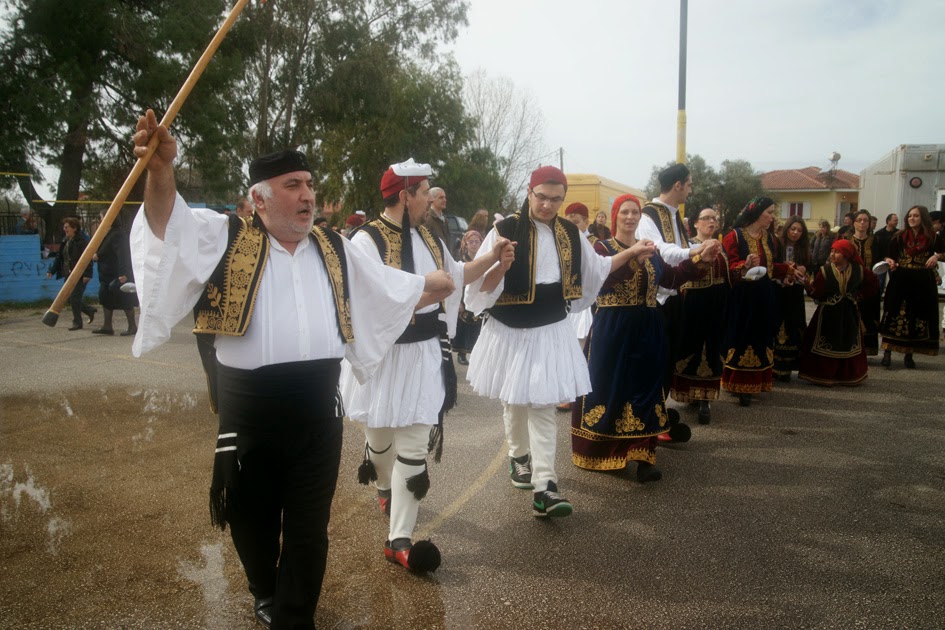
[697, 258]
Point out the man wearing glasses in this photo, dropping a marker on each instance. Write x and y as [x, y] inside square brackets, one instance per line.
[527, 355]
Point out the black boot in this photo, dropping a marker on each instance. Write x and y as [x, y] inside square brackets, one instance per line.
[461, 358]
[909, 361]
[887, 359]
[648, 472]
[744, 400]
[705, 412]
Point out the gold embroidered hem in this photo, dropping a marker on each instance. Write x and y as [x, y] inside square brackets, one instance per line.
[831, 383]
[747, 388]
[614, 463]
[591, 436]
[696, 394]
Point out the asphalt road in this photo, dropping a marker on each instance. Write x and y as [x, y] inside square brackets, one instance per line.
[813, 508]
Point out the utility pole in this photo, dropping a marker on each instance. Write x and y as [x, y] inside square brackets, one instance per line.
[561, 158]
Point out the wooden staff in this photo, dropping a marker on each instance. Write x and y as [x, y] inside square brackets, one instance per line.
[52, 315]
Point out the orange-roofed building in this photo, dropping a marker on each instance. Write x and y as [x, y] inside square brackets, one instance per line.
[813, 194]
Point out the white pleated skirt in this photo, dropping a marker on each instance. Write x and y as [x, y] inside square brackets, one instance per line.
[406, 389]
[539, 367]
[581, 322]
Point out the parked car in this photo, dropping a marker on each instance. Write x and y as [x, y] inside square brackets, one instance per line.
[458, 227]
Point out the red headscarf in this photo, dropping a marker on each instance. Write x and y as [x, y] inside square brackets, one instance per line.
[616, 207]
[848, 249]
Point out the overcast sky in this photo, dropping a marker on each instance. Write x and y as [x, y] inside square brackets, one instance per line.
[781, 83]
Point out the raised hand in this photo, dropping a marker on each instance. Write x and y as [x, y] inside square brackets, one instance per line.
[166, 150]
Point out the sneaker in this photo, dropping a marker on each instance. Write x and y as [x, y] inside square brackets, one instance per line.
[520, 470]
[550, 503]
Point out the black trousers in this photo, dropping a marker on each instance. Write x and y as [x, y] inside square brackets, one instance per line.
[78, 307]
[288, 433]
[672, 312]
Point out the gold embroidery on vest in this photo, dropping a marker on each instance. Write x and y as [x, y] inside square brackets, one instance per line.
[669, 236]
[528, 297]
[245, 260]
[336, 278]
[569, 281]
[628, 292]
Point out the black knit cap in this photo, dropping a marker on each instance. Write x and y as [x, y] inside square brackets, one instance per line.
[274, 164]
[672, 174]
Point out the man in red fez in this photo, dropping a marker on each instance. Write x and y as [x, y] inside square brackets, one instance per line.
[527, 355]
[277, 305]
[403, 407]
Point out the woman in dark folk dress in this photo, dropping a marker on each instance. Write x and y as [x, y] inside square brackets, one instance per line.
[833, 351]
[792, 317]
[748, 344]
[870, 251]
[114, 270]
[697, 375]
[910, 311]
[619, 421]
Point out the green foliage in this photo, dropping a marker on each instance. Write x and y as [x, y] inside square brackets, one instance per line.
[472, 181]
[81, 72]
[727, 190]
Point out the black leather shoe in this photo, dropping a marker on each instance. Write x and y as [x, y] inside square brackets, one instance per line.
[128, 333]
[103, 331]
[887, 359]
[647, 472]
[92, 314]
[262, 608]
[461, 359]
[76, 326]
[909, 361]
[705, 412]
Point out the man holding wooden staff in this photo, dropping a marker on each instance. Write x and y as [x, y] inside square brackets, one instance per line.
[277, 305]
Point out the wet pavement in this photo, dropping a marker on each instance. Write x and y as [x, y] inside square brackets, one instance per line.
[813, 508]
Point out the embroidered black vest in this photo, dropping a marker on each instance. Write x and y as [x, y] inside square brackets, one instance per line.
[226, 305]
[523, 303]
[388, 238]
[663, 219]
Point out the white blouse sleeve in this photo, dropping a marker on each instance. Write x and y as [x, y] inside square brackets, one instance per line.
[171, 274]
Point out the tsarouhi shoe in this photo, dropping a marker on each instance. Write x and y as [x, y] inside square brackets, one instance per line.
[262, 608]
[421, 557]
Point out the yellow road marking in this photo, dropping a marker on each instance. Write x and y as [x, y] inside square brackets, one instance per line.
[466, 495]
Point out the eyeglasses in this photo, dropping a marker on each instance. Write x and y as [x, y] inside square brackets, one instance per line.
[546, 199]
[708, 218]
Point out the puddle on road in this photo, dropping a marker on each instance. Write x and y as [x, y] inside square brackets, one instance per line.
[103, 508]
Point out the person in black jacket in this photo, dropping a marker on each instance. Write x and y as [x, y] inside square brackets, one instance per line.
[70, 250]
[114, 270]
